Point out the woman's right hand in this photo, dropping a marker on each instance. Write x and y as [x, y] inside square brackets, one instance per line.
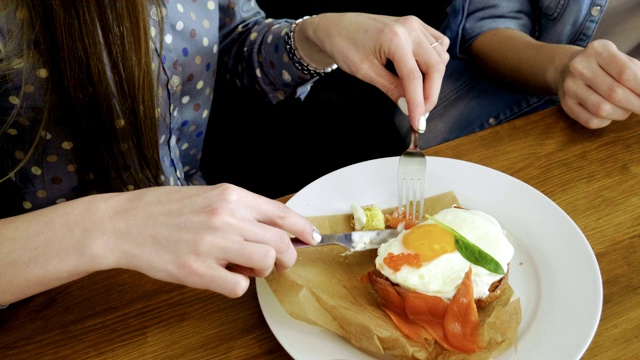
[362, 44]
[206, 237]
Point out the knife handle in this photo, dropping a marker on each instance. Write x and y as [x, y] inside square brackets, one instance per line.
[297, 243]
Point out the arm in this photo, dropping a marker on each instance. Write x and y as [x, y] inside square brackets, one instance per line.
[596, 84]
[46, 248]
[514, 57]
[359, 43]
[213, 238]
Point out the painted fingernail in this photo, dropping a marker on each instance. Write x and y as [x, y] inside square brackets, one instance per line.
[402, 104]
[316, 235]
[422, 123]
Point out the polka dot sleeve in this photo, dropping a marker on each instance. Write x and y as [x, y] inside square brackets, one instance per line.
[253, 50]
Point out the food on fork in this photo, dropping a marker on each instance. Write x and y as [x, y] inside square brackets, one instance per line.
[399, 220]
[433, 279]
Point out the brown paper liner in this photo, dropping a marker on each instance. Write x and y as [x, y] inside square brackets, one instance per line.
[325, 288]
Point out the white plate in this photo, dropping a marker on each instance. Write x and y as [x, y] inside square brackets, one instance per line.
[554, 270]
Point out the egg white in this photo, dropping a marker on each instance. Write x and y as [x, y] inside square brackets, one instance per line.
[442, 276]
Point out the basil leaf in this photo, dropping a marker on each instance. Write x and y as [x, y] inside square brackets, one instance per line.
[471, 251]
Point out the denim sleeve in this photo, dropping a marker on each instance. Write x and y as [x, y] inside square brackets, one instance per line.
[468, 19]
[552, 21]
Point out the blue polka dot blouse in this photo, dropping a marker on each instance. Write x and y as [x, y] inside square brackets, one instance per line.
[197, 34]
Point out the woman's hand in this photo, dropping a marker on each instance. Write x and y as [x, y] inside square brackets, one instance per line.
[207, 237]
[361, 44]
[595, 85]
[213, 237]
[600, 84]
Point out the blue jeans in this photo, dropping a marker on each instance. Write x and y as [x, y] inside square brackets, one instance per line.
[469, 102]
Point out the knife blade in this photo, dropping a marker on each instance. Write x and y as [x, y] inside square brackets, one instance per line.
[354, 241]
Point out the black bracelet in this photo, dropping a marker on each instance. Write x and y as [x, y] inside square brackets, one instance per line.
[297, 61]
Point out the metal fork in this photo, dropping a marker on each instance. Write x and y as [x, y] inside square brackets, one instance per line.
[412, 174]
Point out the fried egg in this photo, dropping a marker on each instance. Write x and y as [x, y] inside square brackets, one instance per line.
[424, 258]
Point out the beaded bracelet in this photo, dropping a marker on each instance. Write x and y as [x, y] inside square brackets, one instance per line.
[297, 61]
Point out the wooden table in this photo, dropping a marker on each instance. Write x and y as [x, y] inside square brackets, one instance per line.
[593, 175]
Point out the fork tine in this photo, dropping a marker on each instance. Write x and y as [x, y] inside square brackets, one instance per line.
[412, 200]
[418, 199]
[406, 194]
[412, 168]
[401, 194]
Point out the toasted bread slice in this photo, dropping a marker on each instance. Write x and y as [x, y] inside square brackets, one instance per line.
[496, 289]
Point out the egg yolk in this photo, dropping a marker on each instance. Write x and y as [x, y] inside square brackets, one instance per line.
[429, 240]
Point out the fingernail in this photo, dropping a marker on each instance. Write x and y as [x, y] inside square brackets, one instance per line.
[402, 104]
[316, 235]
[422, 123]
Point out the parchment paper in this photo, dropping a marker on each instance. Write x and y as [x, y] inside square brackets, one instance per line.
[325, 288]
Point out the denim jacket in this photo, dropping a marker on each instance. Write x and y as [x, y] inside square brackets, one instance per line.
[551, 21]
[468, 100]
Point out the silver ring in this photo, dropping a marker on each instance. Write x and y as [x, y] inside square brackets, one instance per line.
[436, 43]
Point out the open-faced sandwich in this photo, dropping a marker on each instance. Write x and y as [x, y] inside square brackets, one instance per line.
[434, 278]
[440, 290]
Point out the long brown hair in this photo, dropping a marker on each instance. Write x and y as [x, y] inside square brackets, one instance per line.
[101, 83]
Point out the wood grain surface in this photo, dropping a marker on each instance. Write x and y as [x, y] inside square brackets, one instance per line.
[593, 175]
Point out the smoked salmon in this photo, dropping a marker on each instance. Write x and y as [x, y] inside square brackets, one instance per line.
[454, 324]
[396, 219]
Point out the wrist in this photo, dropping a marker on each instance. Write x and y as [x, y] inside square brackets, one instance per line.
[305, 56]
[100, 234]
[557, 72]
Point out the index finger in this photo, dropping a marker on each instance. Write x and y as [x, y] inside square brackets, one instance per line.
[279, 215]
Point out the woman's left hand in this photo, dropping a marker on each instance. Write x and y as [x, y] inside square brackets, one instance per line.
[600, 84]
[361, 44]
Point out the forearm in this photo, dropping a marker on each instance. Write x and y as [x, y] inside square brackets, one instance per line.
[515, 58]
[47, 248]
